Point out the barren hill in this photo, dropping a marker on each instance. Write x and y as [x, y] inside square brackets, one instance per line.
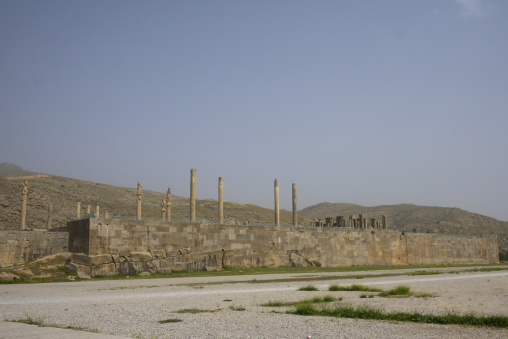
[11, 170]
[64, 193]
[422, 218]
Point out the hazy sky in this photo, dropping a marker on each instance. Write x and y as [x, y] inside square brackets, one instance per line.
[365, 102]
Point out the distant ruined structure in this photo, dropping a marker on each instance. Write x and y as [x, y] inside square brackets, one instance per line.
[24, 198]
[352, 222]
[103, 245]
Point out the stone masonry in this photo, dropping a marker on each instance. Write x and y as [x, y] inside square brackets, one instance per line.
[119, 246]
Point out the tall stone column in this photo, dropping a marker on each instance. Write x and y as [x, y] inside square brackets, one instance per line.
[295, 216]
[50, 216]
[88, 209]
[193, 194]
[163, 209]
[384, 222]
[24, 198]
[221, 202]
[97, 211]
[168, 204]
[106, 215]
[276, 193]
[78, 210]
[138, 209]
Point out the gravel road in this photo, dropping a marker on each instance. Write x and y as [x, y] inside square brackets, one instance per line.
[132, 308]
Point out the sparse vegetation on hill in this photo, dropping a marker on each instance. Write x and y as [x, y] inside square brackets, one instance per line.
[64, 193]
[423, 219]
[11, 170]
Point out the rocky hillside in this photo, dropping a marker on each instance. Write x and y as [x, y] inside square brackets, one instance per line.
[11, 170]
[64, 193]
[420, 218]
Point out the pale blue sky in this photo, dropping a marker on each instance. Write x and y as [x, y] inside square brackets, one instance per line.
[365, 102]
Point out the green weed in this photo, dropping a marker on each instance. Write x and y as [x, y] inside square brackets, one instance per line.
[368, 312]
[354, 287]
[425, 273]
[401, 290]
[170, 321]
[194, 310]
[237, 308]
[308, 287]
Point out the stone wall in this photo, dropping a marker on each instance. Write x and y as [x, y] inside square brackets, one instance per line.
[21, 246]
[116, 246]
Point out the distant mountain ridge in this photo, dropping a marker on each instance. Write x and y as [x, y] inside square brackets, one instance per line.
[423, 219]
[11, 170]
[64, 193]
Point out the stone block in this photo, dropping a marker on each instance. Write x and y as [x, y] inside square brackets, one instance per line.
[81, 259]
[81, 271]
[101, 259]
[184, 251]
[138, 266]
[297, 260]
[104, 270]
[316, 263]
[158, 254]
[124, 268]
[140, 256]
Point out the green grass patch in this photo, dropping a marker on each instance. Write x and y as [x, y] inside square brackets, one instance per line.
[425, 273]
[354, 287]
[424, 295]
[28, 319]
[315, 300]
[401, 290]
[368, 312]
[237, 308]
[308, 287]
[195, 310]
[60, 274]
[278, 303]
[166, 321]
[39, 321]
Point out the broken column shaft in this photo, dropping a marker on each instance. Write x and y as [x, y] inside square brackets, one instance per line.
[221, 202]
[276, 193]
[193, 195]
[138, 194]
[295, 216]
[24, 198]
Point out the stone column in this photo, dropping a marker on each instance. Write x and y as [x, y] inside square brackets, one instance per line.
[78, 210]
[138, 209]
[221, 202]
[384, 222]
[88, 209]
[97, 211]
[193, 194]
[295, 215]
[168, 204]
[24, 198]
[50, 216]
[163, 209]
[276, 193]
[106, 215]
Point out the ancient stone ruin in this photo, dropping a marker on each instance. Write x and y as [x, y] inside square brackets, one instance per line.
[352, 222]
[103, 245]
